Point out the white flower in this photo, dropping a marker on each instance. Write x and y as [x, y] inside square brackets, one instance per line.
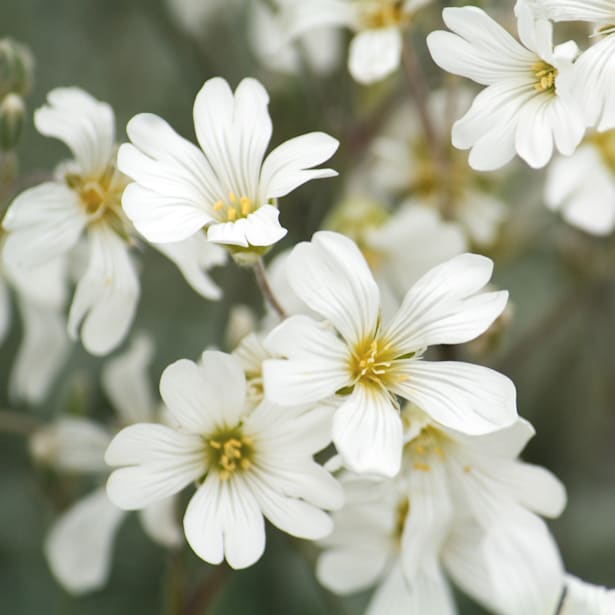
[384, 238]
[593, 83]
[248, 463]
[461, 504]
[582, 186]
[83, 206]
[375, 50]
[320, 49]
[528, 106]
[399, 164]
[40, 298]
[368, 364]
[227, 188]
[46, 222]
[584, 599]
[79, 544]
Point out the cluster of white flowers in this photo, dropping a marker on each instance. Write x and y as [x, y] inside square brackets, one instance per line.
[343, 416]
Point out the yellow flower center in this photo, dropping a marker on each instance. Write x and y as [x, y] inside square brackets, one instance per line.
[229, 451]
[426, 448]
[234, 208]
[101, 197]
[545, 76]
[384, 14]
[371, 361]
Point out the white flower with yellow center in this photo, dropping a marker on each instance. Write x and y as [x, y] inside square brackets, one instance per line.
[51, 220]
[594, 77]
[365, 364]
[528, 106]
[79, 545]
[376, 49]
[226, 188]
[463, 505]
[582, 186]
[46, 222]
[247, 463]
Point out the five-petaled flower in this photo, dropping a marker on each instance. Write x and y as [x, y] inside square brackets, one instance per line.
[367, 364]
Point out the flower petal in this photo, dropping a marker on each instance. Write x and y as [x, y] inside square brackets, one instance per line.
[374, 54]
[427, 592]
[42, 353]
[468, 398]
[367, 432]
[194, 256]
[260, 228]
[345, 570]
[126, 382]
[71, 444]
[331, 276]
[445, 306]
[85, 124]
[205, 396]
[234, 131]
[224, 519]
[167, 164]
[159, 521]
[291, 515]
[163, 462]
[290, 164]
[79, 545]
[161, 219]
[43, 223]
[106, 296]
[316, 364]
[514, 567]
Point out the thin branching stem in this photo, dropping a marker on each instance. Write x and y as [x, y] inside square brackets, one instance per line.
[266, 290]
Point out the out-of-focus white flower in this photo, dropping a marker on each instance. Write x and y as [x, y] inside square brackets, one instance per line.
[227, 188]
[582, 186]
[79, 544]
[364, 364]
[399, 247]
[400, 165]
[595, 67]
[83, 205]
[44, 223]
[585, 599]
[462, 504]
[375, 50]
[249, 462]
[194, 16]
[321, 49]
[528, 106]
[40, 295]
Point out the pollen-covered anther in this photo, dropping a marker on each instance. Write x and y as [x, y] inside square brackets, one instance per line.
[231, 453]
[234, 208]
[371, 362]
[545, 75]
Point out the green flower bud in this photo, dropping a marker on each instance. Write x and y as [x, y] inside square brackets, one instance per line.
[12, 118]
[16, 68]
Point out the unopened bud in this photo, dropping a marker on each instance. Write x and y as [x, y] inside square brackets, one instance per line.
[12, 118]
[16, 68]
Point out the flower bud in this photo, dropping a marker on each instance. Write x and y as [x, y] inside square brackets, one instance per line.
[16, 68]
[12, 118]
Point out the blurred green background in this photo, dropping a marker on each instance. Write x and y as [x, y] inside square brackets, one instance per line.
[558, 349]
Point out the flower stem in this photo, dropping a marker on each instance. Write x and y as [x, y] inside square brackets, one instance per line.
[418, 88]
[204, 595]
[265, 288]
